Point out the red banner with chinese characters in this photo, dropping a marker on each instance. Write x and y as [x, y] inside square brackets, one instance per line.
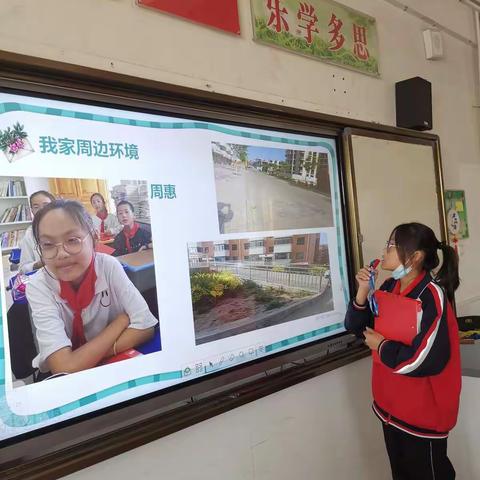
[222, 14]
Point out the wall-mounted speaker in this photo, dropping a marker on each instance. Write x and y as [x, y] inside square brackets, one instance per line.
[413, 99]
[433, 44]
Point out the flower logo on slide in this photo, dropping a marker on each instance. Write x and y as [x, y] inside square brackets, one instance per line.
[14, 142]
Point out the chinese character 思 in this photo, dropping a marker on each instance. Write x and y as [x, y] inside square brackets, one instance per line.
[360, 42]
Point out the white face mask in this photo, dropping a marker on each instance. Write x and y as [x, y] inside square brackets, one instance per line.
[401, 271]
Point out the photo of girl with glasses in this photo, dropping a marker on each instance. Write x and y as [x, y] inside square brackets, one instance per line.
[84, 307]
[106, 224]
[29, 257]
[416, 375]
[133, 238]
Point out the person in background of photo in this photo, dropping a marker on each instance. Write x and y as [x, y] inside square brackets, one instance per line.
[132, 238]
[106, 224]
[29, 257]
[84, 307]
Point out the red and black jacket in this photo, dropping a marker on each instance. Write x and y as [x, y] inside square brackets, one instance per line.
[416, 387]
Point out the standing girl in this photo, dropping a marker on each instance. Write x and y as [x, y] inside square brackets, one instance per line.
[105, 224]
[410, 326]
[29, 257]
[84, 307]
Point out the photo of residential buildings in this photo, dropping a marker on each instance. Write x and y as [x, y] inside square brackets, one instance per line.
[261, 188]
[240, 285]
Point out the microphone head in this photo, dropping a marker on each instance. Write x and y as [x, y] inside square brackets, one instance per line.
[374, 263]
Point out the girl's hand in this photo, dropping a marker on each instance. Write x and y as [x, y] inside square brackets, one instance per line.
[363, 277]
[372, 338]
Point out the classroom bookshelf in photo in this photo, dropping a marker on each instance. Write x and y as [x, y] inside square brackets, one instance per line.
[15, 213]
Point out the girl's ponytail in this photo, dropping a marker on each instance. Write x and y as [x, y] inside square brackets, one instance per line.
[412, 237]
[447, 276]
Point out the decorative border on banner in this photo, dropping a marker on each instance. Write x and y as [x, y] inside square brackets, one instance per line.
[14, 420]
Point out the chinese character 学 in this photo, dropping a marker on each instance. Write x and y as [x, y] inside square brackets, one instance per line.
[338, 39]
[360, 42]
[277, 16]
[306, 13]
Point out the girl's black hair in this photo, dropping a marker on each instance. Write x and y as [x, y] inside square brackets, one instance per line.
[412, 237]
[74, 209]
[126, 202]
[41, 192]
[97, 195]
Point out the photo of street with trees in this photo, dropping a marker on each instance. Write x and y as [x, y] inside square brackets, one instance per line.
[264, 189]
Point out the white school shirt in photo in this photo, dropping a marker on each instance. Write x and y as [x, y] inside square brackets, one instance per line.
[28, 252]
[111, 224]
[53, 318]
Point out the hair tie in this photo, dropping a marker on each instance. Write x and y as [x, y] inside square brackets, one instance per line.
[441, 245]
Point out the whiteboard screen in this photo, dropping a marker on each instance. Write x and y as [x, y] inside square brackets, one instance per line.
[395, 183]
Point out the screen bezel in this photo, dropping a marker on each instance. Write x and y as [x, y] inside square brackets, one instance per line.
[35, 77]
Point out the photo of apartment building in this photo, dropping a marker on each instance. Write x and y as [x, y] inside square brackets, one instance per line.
[239, 285]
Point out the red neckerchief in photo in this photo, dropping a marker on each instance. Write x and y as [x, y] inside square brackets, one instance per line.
[102, 216]
[129, 234]
[78, 300]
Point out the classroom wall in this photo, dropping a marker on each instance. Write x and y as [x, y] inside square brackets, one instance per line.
[319, 429]
[322, 426]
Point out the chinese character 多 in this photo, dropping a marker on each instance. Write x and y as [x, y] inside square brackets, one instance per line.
[306, 13]
[277, 18]
[360, 42]
[338, 39]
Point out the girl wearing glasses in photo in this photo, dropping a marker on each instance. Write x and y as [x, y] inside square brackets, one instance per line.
[84, 307]
[29, 257]
[416, 375]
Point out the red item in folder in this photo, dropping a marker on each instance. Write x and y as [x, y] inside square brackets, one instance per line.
[397, 318]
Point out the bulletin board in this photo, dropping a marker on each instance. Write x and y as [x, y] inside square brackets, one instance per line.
[391, 180]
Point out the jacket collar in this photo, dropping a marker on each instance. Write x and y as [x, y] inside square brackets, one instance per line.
[415, 288]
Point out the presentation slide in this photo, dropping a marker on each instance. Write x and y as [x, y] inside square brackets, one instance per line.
[141, 251]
